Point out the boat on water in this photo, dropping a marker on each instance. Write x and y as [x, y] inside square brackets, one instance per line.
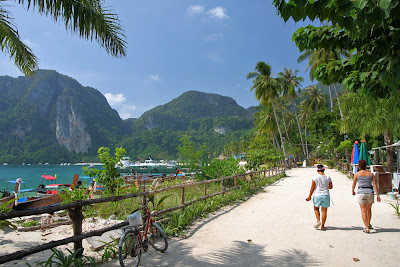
[149, 166]
[43, 196]
[8, 198]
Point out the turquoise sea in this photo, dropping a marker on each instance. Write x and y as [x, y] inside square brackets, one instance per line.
[31, 174]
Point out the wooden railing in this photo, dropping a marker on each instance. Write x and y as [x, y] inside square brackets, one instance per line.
[75, 210]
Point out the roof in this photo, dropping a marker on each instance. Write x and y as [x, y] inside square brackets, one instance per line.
[392, 145]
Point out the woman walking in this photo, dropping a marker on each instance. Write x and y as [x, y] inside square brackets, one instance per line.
[321, 183]
[365, 193]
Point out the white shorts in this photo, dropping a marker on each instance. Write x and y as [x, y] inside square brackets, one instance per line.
[365, 198]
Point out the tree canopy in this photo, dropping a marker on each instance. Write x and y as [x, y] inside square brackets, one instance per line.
[369, 29]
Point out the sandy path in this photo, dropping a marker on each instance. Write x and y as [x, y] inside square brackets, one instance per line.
[279, 224]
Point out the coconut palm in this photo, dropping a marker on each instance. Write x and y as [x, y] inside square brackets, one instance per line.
[266, 124]
[87, 18]
[314, 99]
[290, 82]
[281, 105]
[266, 91]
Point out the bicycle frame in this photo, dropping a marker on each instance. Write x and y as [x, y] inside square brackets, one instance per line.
[143, 234]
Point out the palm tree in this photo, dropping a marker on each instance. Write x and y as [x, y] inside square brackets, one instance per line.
[291, 82]
[321, 56]
[266, 124]
[314, 99]
[86, 18]
[266, 90]
[281, 105]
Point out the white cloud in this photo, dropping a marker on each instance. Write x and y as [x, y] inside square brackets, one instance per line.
[117, 102]
[214, 37]
[213, 56]
[154, 77]
[30, 43]
[195, 9]
[218, 13]
[115, 99]
[126, 111]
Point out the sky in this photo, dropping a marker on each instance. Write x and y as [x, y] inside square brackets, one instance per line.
[173, 46]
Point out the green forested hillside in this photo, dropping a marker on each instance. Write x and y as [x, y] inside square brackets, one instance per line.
[52, 118]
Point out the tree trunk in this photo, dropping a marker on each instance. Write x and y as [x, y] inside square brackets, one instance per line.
[274, 142]
[336, 159]
[305, 137]
[330, 97]
[348, 159]
[391, 157]
[287, 135]
[298, 125]
[338, 101]
[279, 129]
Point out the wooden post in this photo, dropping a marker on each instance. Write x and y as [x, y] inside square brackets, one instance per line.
[77, 217]
[235, 181]
[251, 177]
[223, 187]
[183, 197]
[205, 189]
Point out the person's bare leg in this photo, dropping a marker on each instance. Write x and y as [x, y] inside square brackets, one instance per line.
[364, 215]
[324, 212]
[317, 214]
[369, 214]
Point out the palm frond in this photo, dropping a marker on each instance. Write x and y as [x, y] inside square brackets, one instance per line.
[11, 44]
[88, 19]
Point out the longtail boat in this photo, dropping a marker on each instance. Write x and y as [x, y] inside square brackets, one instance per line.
[42, 201]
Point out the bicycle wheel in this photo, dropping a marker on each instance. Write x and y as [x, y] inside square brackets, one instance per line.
[157, 238]
[129, 249]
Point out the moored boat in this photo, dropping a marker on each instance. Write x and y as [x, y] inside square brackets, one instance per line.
[149, 167]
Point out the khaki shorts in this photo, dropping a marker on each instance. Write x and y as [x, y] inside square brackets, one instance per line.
[365, 198]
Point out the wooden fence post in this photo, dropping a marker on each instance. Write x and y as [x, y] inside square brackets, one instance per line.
[205, 189]
[251, 177]
[223, 187]
[77, 217]
[235, 181]
[183, 197]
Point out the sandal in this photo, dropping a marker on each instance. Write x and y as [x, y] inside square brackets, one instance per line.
[317, 225]
[370, 227]
[365, 230]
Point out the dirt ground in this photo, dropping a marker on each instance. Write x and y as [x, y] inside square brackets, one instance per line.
[275, 228]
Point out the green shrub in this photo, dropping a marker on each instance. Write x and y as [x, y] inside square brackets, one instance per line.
[220, 168]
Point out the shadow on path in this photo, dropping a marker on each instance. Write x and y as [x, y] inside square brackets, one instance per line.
[240, 254]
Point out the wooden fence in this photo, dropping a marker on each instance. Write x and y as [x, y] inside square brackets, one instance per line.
[75, 210]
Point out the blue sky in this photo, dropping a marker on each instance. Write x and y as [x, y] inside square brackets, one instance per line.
[173, 46]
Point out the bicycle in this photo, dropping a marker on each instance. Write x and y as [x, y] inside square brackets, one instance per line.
[135, 240]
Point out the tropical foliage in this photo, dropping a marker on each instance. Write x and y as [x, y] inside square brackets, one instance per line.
[369, 29]
[109, 176]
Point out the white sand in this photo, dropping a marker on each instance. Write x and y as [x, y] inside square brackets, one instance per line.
[12, 241]
[274, 227]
